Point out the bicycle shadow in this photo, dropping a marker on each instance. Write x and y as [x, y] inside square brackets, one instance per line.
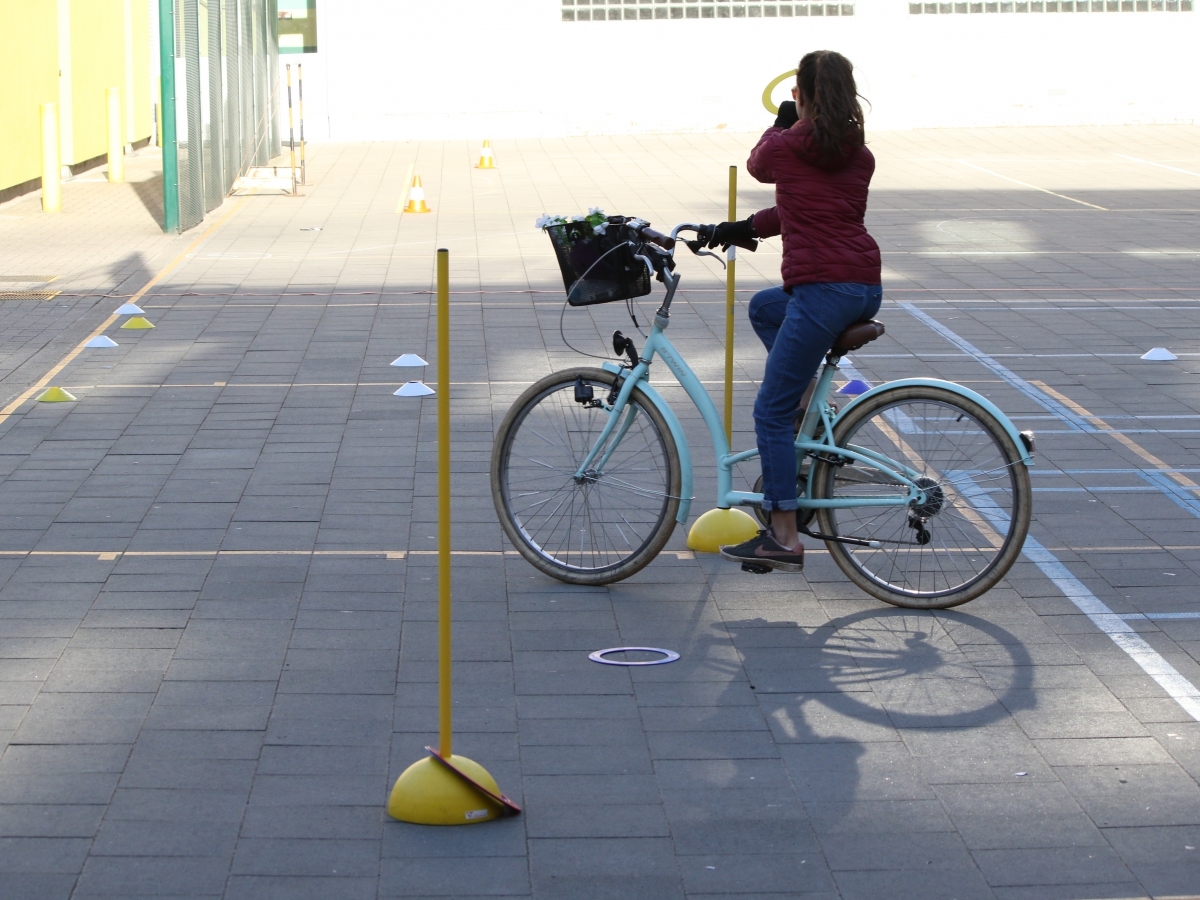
[838, 696]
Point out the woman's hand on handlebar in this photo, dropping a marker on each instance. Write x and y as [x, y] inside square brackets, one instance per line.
[738, 234]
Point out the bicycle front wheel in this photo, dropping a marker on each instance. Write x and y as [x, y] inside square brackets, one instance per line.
[609, 523]
[965, 536]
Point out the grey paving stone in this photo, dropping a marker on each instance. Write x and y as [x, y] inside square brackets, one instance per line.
[39, 886]
[276, 887]
[142, 875]
[912, 884]
[123, 838]
[495, 876]
[763, 873]
[1067, 865]
[65, 820]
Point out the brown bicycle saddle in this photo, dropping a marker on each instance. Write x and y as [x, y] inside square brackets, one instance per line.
[858, 335]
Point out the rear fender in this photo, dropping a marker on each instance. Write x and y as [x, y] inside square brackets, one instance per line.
[1026, 453]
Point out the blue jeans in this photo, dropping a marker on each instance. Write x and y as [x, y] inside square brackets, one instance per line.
[798, 327]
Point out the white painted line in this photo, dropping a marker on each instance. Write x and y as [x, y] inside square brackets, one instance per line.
[1137, 617]
[1122, 634]
[1028, 185]
[1077, 422]
[1147, 162]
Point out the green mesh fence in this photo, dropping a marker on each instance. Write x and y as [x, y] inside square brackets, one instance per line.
[220, 100]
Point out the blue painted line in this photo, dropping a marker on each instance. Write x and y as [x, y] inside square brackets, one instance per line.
[1177, 492]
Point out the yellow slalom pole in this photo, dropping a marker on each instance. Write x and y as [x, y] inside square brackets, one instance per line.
[444, 789]
[721, 526]
[443, 430]
[116, 138]
[731, 261]
[51, 174]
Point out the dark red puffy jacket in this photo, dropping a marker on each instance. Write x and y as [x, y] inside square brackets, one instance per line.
[819, 207]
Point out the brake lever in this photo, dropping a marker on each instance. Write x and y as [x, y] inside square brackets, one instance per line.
[697, 248]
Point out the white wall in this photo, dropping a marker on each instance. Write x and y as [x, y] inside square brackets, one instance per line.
[431, 69]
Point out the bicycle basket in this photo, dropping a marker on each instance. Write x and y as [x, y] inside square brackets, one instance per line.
[597, 268]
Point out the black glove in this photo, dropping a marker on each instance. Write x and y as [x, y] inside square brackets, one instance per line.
[740, 234]
[787, 114]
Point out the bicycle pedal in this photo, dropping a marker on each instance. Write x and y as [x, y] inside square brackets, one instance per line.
[756, 569]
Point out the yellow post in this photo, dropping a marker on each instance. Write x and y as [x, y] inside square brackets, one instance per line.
[51, 174]
[731, 257]
[291, 132]
[116, 137]
[725, 526]
[443, 428]
[300, 92]
[444, 789]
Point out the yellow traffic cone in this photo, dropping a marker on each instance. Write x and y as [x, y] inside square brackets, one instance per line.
[416, 198]
[486, 160]
[56, 395]
[138, 322]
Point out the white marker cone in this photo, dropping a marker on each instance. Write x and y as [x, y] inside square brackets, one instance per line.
[101, 341]
[129, 309]
[409, 359]
[1159, 354]
[414, 389]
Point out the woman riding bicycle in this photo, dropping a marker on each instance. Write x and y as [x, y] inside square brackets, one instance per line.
[816, 157]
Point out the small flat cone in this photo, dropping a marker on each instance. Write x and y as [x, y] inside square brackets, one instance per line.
[101, 340]
[414, 389]
[409, 359]
[721, 526]
[138, 322]
[55, 395]
[855, 387]
[1159, 354]
[129, 309]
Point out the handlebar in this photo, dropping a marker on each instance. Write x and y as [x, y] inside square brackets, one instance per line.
[655, 237]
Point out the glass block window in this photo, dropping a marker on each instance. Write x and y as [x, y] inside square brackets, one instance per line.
[297, 26]
[650, 10]
[1049, 6]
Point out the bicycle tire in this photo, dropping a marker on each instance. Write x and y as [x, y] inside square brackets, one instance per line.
[965, 537]
[642, 476]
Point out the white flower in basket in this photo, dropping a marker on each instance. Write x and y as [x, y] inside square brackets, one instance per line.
[595, 217]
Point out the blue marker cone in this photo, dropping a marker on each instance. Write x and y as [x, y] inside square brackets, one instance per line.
[855, 387]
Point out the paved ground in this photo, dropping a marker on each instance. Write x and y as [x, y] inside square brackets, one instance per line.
[217, 605]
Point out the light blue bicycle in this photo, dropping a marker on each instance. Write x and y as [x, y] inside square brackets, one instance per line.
[919, 487]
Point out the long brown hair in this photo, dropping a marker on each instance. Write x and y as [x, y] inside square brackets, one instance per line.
[826, 81]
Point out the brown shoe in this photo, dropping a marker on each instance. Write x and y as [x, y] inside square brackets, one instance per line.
[764, 550]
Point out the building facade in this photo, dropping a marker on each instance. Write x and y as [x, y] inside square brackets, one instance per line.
[404, 69]
[70, 52]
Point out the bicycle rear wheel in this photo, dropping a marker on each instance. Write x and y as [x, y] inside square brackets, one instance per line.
[613, 521]
[966, 535]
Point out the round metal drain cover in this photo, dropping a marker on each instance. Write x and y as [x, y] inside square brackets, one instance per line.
[599, 656]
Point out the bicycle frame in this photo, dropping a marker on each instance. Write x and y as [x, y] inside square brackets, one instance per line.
[818, 413]
[659, 345]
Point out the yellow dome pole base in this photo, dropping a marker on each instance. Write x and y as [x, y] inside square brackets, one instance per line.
[138, 322]
[721, 526]
[56, 395]
[447, 791]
